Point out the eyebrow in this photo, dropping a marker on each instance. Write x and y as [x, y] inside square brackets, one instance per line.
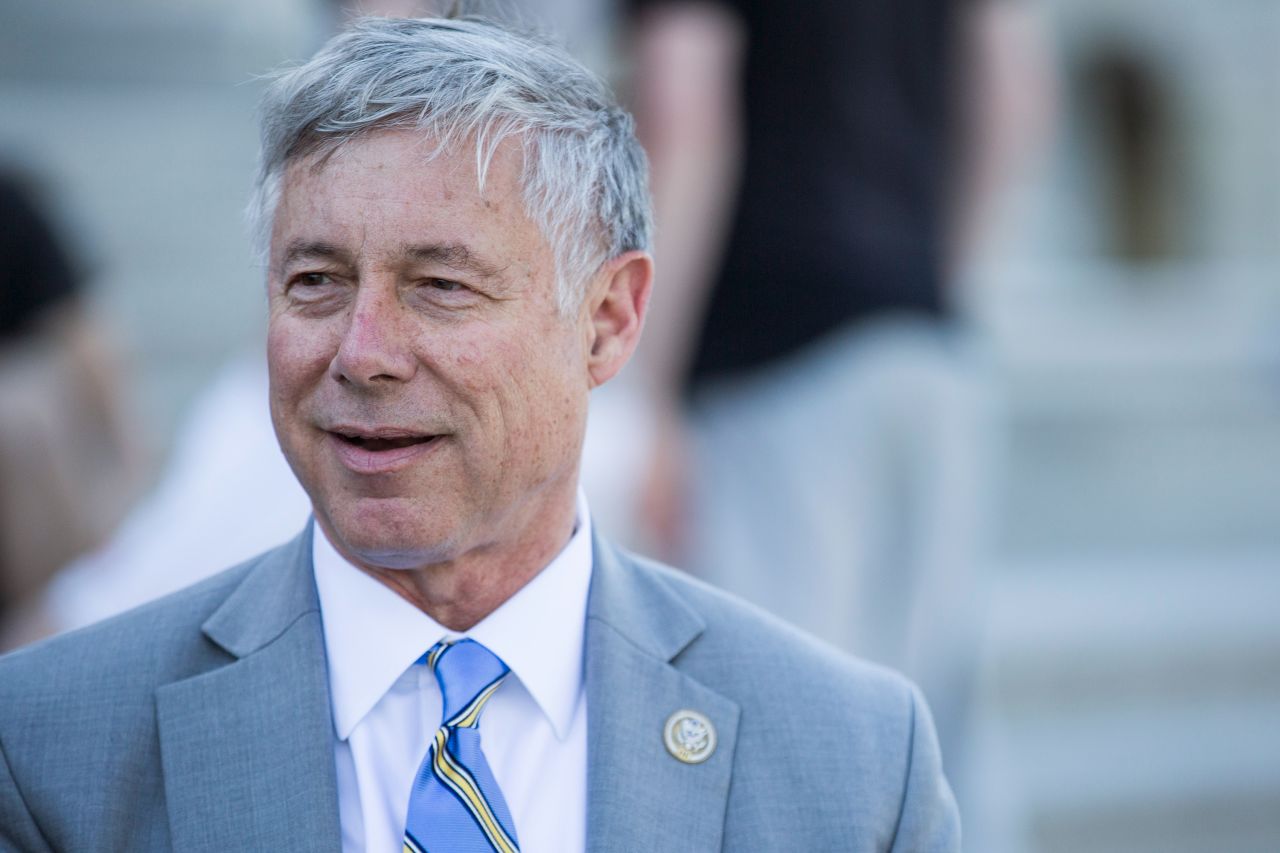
[301, 250]
[453, 255]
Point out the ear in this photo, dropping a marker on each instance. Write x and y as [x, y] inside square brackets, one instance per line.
[614, 312]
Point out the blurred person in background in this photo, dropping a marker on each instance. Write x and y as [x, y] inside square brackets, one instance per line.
[69, 467]
[820, 170]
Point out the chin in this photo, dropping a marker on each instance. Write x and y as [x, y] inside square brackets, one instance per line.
[389, 534]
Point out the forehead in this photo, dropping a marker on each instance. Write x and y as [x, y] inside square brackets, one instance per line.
[395, 186]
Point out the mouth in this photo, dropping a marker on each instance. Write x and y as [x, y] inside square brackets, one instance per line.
[378, 444]
[380, 451]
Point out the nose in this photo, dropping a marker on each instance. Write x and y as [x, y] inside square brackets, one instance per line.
[376, 348]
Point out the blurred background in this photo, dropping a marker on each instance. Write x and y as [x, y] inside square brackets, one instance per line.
[1054, 407]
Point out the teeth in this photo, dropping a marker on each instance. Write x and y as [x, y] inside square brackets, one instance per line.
[389, 443]
[385, 443]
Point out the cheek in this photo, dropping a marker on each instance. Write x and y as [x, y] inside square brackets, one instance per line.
[297, 344]
[296, 359]
[553, 398]
[527, 388]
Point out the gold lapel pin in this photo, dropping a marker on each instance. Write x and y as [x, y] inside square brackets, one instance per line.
[689, 736]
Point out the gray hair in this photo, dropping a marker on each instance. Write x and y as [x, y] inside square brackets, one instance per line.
[585, 177]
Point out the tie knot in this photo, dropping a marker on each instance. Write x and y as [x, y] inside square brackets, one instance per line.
[468, 674]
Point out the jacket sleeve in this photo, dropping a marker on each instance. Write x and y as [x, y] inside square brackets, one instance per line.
[929, 821]
[18, 830]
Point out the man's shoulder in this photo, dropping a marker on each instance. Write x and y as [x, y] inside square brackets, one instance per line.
[872, 775]
[90, 720]
[130, 653]
[761, 660]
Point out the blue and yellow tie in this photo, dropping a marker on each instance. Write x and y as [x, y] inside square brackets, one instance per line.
[455, 805]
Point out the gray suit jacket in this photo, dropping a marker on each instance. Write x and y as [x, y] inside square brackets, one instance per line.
[202, 723]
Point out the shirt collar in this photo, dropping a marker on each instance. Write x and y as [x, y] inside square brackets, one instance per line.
[372, 635]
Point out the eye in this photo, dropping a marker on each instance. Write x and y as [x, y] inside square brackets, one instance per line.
[307, 280]
[443, 285]
[444, 294]
[311, 287]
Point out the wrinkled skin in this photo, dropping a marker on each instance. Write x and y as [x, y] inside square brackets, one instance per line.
[425, 388]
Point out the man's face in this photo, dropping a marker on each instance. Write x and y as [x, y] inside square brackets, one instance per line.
[424, 387]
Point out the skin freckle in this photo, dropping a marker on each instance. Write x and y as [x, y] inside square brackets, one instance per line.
[498, 378]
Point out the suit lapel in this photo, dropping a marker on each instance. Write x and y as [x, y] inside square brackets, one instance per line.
[247, 748]
[639, 796]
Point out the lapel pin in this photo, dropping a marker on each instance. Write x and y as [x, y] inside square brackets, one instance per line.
[689, 736]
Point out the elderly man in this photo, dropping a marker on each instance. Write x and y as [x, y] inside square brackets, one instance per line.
[458, 227]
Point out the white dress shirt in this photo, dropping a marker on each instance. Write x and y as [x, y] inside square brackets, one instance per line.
[386, 710]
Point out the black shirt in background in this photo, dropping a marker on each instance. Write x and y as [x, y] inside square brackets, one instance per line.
[37, 272]
[840, 211]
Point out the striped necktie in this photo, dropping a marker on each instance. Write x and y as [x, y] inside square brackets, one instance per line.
[455, 805]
